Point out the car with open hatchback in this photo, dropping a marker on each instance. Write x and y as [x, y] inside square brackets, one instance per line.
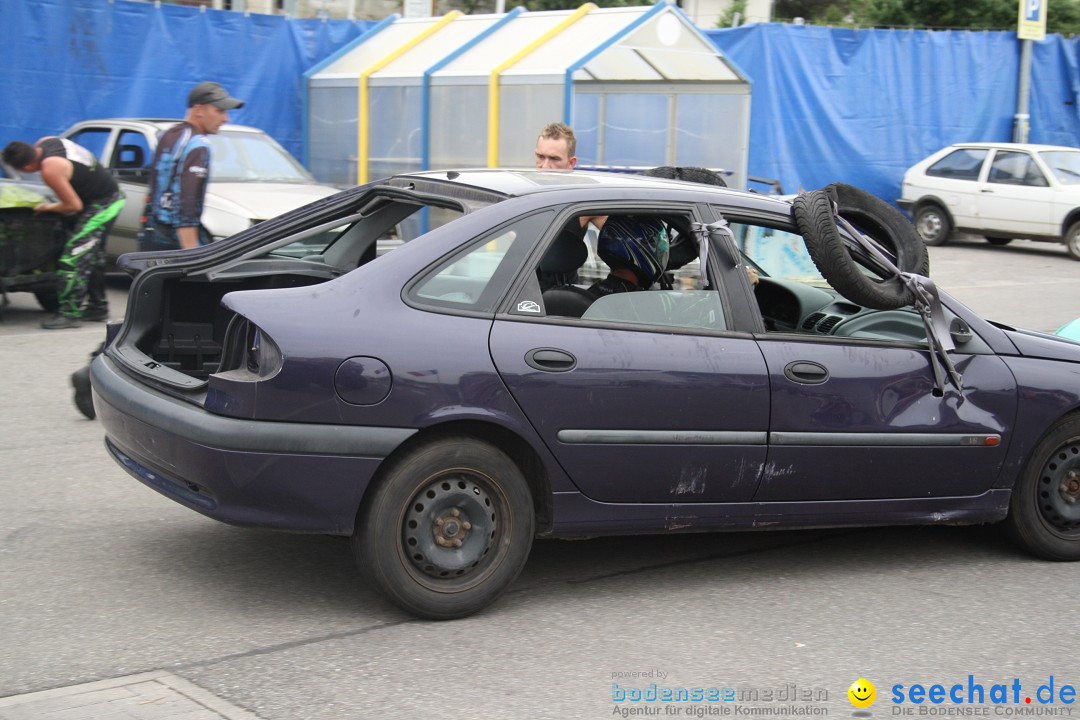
[433, 365]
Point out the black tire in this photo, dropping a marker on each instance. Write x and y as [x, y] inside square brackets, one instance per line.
[454, 490]
[1072, 240]
[687, 174]
[933, 224]
[1044, 514]
[48, 300]
[872, 216]
[997, 240]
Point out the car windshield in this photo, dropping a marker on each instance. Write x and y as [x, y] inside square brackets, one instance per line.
[777, 253]
[1065, 165]
[253, 157]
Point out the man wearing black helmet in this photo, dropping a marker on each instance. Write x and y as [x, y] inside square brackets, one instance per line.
[635, 249]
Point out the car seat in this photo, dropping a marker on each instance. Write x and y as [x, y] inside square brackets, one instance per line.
[557, 272]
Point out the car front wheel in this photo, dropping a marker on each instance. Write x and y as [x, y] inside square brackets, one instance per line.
[933, 225]
[1072, 240]
[1044, 514]
[447, 529]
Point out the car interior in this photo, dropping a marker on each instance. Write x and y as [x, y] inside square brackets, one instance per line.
[790, 292]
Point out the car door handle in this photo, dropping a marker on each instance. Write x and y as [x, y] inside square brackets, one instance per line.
[988, 190]
[550, 360]
[806, 372]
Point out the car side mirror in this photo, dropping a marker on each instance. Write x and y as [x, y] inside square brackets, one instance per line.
[960, 332]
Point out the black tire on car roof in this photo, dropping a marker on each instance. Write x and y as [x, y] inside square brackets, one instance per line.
[814, 216]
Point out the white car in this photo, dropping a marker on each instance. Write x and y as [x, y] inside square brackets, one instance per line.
[999, 190]
[252, 178]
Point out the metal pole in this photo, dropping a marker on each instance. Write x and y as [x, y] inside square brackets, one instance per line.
[1022, 119]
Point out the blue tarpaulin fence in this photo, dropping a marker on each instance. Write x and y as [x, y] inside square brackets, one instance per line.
[829, 104]
[71, 60]
[861, 106]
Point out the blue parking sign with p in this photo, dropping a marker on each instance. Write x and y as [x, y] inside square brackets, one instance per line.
[1032, 9]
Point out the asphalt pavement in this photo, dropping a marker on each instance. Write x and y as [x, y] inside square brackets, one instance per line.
[118, 603]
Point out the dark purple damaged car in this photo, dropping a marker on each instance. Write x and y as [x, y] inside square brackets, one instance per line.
[440, 366]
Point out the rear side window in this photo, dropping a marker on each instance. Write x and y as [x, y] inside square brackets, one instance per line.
[476, 278]
[959, 165]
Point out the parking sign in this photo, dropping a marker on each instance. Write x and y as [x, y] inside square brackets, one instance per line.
[1032, 20]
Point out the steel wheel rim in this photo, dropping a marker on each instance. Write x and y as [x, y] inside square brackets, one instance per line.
[929, 225]
[1058, 493]
[453, 530]
[1073, 242]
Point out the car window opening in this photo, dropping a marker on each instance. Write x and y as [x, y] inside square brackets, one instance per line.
[638, 267]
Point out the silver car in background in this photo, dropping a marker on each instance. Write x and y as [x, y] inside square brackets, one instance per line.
[252, 178]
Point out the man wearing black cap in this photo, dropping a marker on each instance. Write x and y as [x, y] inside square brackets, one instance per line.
[180, 171]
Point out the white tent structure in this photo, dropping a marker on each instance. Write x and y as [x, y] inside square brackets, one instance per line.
[641, 86]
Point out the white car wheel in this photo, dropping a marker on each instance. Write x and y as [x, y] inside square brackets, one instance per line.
[1072, 240]
[933, 225]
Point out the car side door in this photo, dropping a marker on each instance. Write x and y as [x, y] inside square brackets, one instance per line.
[1015, 197]
[954, 180]
[855, 412]
[646, 396]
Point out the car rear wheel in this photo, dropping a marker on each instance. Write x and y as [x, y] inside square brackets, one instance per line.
[447, 529]
[933, 224]
[1044, 514]
[1072, 240]
[998, 240]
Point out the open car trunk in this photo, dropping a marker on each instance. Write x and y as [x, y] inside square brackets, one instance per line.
[177, 330]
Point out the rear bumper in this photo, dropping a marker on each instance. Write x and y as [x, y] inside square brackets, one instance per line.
[289, 476]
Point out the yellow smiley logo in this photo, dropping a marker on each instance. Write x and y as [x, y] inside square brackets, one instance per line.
[862, 693]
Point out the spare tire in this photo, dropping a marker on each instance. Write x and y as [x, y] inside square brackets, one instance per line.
[687, 173]
[872, 216]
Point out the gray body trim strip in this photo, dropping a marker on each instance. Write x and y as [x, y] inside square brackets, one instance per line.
[879, 439]
[662, 437]
[721, 437]
[139, 402]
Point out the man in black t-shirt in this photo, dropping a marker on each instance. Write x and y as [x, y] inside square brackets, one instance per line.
[88, 193]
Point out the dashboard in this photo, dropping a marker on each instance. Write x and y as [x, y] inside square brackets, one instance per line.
[795, 307]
